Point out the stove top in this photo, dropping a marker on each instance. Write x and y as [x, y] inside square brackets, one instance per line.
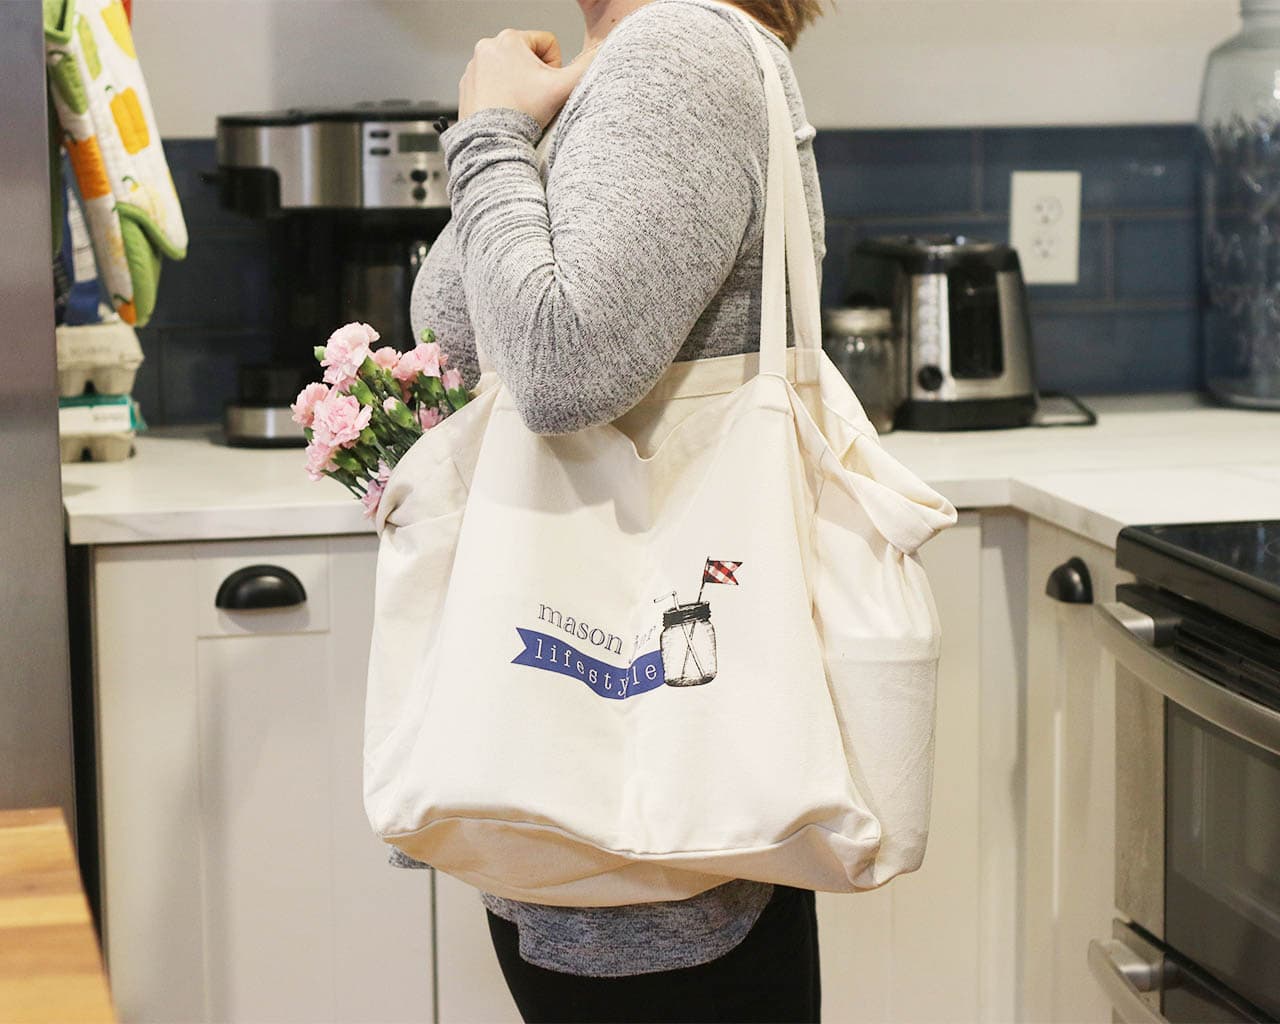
[1232, 569]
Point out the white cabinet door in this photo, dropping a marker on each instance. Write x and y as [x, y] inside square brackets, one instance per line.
[382, 916]
[471, 988]
[241, 880]
[912, 950]
[1070, 785]
[144, 624]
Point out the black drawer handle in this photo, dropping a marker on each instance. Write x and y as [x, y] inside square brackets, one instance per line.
[261, 586]
[1070, 583]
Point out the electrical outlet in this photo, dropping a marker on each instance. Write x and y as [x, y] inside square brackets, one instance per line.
[1044, 225]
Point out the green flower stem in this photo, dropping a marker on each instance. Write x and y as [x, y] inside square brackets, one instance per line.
[347, 480]
[357, 492]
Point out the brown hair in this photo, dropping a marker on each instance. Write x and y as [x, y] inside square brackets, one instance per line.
[785, 18]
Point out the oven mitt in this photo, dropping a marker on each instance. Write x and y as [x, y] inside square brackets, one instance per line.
[109, 131]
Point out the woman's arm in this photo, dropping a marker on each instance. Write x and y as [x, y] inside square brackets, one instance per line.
[583, 292]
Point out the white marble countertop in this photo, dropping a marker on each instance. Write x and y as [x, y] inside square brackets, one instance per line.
[1150, 459]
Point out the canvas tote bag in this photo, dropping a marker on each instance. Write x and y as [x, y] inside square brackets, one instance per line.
[631, 663]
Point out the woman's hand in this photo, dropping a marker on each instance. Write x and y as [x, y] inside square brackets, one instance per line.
[520, 70]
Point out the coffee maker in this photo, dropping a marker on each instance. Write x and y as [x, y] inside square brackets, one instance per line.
[354, 197]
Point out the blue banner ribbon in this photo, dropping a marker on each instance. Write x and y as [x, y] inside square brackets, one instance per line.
[615, 682]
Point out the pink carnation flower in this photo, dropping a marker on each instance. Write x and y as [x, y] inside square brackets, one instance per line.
[384, 472]
[388, 404]
[430, 417]
[339, 420]
[304, 408]
[386, 357]
[452, 380]
[422, 359]
[372, 498]
[319, 460]
[345, 353]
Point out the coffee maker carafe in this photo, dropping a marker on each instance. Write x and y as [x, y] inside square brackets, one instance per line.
[376, 279]
[354, 197]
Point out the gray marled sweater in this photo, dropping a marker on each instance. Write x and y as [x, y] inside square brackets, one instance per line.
[638, 241]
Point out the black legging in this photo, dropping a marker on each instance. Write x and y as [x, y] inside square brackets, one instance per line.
[770, 976]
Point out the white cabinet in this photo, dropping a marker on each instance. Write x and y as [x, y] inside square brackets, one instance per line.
[939, 944]
[1069, 847]
[241, 880]
[471, 988]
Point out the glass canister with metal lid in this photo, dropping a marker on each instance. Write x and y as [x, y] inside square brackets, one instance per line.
[863, 344]
[1240, 197]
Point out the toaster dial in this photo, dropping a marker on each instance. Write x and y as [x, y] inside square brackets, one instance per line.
[930, 378]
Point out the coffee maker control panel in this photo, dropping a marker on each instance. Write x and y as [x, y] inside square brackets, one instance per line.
[403, 165]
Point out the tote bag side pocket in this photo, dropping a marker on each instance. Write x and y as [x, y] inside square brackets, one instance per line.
[880, 635]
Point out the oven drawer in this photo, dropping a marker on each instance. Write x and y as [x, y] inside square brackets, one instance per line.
[1197, 831]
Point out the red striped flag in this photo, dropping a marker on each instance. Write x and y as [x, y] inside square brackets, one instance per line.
[720, 572]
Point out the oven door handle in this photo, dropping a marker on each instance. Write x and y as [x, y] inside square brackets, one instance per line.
[1128, 634]
[1124, 976]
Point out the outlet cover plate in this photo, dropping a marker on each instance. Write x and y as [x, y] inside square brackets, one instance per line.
[1044, 225]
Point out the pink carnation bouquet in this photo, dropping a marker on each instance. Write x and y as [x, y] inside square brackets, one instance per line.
[371, 407]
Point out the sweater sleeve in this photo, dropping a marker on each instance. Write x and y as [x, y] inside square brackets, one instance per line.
[582, 292]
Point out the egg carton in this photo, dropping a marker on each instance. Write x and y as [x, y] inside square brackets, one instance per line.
[100, 447]
[102, 425]
[106, 355]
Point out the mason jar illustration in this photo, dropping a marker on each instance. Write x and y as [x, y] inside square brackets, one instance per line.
[688, 644]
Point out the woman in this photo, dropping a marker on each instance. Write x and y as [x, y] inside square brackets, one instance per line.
[587, 258]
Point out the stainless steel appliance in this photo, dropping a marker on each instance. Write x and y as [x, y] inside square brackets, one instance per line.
[370, 156]
[39, 734]
[960, 307]
[355, 196]
[1197, 647]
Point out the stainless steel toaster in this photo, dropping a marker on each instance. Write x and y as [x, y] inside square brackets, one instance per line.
[960, 308]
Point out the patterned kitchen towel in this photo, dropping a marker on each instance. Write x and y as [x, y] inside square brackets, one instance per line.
[109, 131]
[79, 297]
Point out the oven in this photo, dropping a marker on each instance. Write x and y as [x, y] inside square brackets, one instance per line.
[1196, 642]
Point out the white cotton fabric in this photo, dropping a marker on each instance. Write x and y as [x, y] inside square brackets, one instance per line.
[805, 761]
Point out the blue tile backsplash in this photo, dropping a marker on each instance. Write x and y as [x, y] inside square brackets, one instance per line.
[1131, 324]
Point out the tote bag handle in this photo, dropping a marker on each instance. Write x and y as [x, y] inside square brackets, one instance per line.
[788, 240]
